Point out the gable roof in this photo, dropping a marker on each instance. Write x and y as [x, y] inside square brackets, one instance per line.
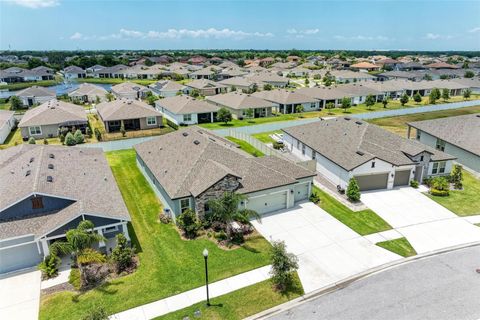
[128, 87]
[462, 131]
[167, 85]
[357, 142]
[122, 109]
[189, 161]
[36, 91]
[80, 174]
[53, 112]
[88, 89]
[185, 105]
[282, 96]
[364, 65]
[239, 101]
[204, 84]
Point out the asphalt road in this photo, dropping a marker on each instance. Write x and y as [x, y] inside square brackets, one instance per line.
[440, 287]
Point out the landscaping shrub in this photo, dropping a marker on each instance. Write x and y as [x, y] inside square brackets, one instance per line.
[74, 278]
[49, 266]
[439, 186]
[164, 218]
[221, 236]
[277, 145]
[96, 313]
[78, 136]
[45, 141]
[122, 255]
[456, 177]
[439, 193]
[224, 115]
[98, 134]
[414, 184]
[172, 125]
[353, 190]
[283, 266]
[188, 222]
[70, 139]
[88, 132]
[314, 197]
[31, 140]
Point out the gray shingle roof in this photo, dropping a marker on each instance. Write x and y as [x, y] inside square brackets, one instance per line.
[185, 105]
[81, 174]
[128, 87]
[88, 89]
[204, 84]
[122, 109]
[341, 139]
[36, 91]
[186, 168]
[239, 101]
[281, 96]
[462, 131]
[167, 85]
[53, 112]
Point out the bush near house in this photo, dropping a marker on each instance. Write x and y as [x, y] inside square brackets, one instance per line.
[456, 177]
[188, 222]
[49, 266]
[414, 184]
[440, 187]
[353, 190]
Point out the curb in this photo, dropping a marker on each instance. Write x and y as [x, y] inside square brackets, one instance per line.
[347, 281]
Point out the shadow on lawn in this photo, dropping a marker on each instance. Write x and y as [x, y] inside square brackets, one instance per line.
[134, 238]
[106, 288]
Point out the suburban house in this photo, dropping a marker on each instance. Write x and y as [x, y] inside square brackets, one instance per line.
[425, 87]
[206, 87]
[35, 95]
[403, 75]
[45, 120]
[94, 68]
[205, 73]
[16, 74]
[130, 90]
[213, 166]
[7, 123]
[55, 188]
[441, 65]
[364, 67]
[238, 83]
[186, 110]
[231, 73]
[458, 136]
[240, 103]
[345, 147]
[287, 101]
[110, 72]
[88, 93]
[357, 93]
[74, 72]
[132, 114]
[348, 76]
[167, 88]
[270, 78]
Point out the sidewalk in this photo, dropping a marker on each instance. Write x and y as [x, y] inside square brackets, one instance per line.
[188, 298]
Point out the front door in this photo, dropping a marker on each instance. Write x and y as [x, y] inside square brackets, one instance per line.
[419, 173]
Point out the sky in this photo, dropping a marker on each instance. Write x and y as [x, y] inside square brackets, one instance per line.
[230, 24]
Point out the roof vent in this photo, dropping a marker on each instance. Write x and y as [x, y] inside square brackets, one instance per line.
[347, 118]
[105, 178]
[31, 159]
[185, 134]
[361, 153]
[28, 173]
[196, 142]
[358, 122]
[51, 156]
[49, 179]
[50, 166]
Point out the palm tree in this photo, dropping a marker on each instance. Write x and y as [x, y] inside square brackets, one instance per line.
[225, 210]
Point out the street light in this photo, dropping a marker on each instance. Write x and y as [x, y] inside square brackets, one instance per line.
[205, 255]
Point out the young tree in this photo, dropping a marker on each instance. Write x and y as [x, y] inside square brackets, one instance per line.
[404, 99]
[267, 87]
[469, 74]
[78, 136]
[432, 97]
[330, 105]
[417, 97]
[456, 176]
[370, 101]
[32, 140]
[188, 222]
[445, 94]
[299, 109]
[224, 115]
[249, 113]
[385, 102]
[437, 93]
[346, 103]
[307, 82]
[284, 264]
[467, 93]
[122, 254]
[427, 77]
[70, 139]
[15, 103]
[353, 190]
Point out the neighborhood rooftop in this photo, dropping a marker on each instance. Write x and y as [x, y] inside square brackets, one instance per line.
[53, 112]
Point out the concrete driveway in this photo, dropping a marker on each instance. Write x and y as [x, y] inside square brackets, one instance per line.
[328, 251]
[427, 225]
[20, 296]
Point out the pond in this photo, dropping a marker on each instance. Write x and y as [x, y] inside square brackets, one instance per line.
[60, 89]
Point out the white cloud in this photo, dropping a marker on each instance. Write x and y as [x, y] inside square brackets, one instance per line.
[294, 31]
[362, 38]
[435, 36]
[35, 4]
[210, 33]
[477, 29]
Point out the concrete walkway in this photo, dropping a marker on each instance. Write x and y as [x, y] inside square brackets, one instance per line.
[188, 298]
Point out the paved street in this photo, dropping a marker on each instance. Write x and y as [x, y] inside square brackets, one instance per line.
[442, 287]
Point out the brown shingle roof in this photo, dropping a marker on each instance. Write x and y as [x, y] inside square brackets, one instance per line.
[53, 112]
[122, 109]
[239, 101]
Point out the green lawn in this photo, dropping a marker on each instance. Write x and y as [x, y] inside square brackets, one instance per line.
[265, 136]
[4, 106]
[363, 222]
[398, 124]
[400, 246]
[168, 264]
[464, 202]
[238, 304]
[247, 147]
[13, 139]
[362, 108]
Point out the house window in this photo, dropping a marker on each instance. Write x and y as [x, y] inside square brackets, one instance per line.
[110, 229]
[37, 203]
[35, 131]
[438, 167]
[303, 149]
[373, 164]
[187, 117]
[440, 145]
[421, 158]
[184, 204]
[151, 121]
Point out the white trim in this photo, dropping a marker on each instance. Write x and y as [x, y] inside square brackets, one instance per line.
[18, 237]
[35, 194]
[18, 245]
[180, 203]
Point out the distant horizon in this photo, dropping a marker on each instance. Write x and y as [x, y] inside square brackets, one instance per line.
[353, 25]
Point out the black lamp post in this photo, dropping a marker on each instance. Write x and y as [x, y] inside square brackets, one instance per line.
[205, 255]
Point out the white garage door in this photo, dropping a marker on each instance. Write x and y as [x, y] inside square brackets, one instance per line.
[20, 257]
[301, 192]
[268, 203]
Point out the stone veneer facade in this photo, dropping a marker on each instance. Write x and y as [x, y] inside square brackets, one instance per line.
[228, 184]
